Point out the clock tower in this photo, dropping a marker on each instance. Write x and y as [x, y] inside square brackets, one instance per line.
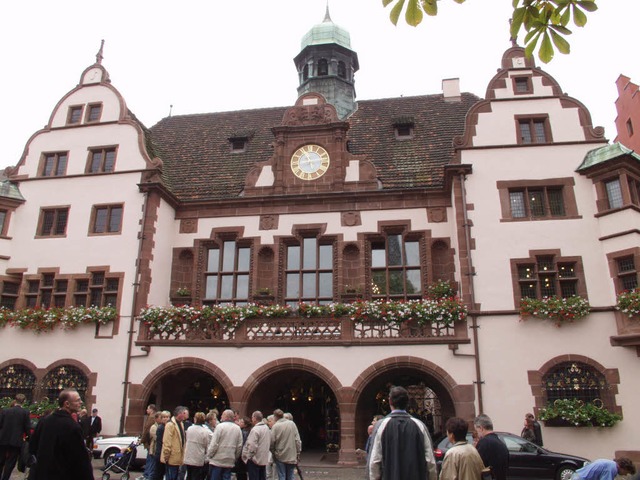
[326, 65]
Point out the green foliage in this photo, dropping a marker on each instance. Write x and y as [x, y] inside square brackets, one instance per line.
[580, 414]
[441, 289]
[35, 408]
[168, 320]
[46, 319]
[558, 309]
[544, 21]
[629, 302]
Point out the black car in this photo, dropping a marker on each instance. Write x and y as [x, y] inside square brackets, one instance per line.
[526, 459]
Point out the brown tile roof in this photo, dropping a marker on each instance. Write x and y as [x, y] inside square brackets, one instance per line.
[199, 164]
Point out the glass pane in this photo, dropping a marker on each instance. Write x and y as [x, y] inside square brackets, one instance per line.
[378, 255]
[310, 252]
[412, 251]
[242, 286]
[556, 202]
[229, 256]
[243, 259]
[525, 271]
[97, 278]
[536, 203]
[116, 217]
[541, 136]
[309, 285]
[111, 299]
[61, 223]
[396, 282]
[47, 222]
[214, 260]
[525, 131]
[226, 287]
[293, 285]
[96, 160]
[568, 289]
[629, 282]
[326, 257]
[80, 300]
[413, 282]
[566, 270]
[293, 257]
[517, 204]
[528, 289]
[110, 160]
[48, 165]
[62, 164]
[101, 220]
[378, 283]
[626, 264]
[614, 193]
[211, 289]
[45, 298]
[395, 249]
[547, 285]
[59, 301]
[326, 284]
[545, 264]
[96, 297]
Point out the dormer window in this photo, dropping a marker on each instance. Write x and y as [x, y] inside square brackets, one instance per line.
[238, 144]
[403, 128]
[533, 130]
[323, 67]
[74, 116]
[522, 85]
[342, 70]
[94, 112]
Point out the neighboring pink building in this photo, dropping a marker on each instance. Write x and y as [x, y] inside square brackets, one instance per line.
[510, 197]
[628, 108]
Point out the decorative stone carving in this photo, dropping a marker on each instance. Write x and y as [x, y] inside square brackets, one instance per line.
[268, 222]
[189, 225]
[351, 219]
[437, 214]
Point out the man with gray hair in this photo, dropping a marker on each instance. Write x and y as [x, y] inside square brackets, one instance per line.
[173, 443]
[225, 447]
[492, 450]
[285, 445]
[255, 452]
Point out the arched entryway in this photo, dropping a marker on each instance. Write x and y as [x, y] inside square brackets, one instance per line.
[307, 396]
[433, 396]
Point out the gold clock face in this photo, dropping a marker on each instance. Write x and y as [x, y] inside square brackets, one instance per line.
[310, 162]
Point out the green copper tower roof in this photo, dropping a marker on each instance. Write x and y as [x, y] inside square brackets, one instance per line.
[605, 154]
[325, 33]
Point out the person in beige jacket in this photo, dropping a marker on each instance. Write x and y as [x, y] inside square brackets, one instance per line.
[462, 461]
[255, 452]
[225, 447]
[173, 443]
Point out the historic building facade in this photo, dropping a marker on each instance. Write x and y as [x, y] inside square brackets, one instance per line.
[329, 200]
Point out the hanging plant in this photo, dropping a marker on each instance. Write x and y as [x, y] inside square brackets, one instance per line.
[560, 310]
[575, 412]
[46, 319]
[629, 302]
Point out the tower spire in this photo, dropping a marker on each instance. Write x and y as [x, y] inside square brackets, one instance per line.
[327, 17]
[99, 56]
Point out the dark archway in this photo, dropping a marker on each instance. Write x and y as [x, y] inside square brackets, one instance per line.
[429, 400]
[309, 399]
[191, 387]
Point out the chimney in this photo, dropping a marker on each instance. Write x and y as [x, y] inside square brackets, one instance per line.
[451, 89]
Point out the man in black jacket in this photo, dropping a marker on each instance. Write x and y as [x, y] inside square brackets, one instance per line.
[58, 445]
[14, 427]
[492, 450]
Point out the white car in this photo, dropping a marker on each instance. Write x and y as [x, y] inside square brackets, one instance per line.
[105, 447]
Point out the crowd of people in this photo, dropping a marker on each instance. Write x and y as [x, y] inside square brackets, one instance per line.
[215, 445]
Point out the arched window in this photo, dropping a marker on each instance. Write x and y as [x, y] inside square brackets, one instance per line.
[342, 70]
[323, 67]
[576, 380]
[16, 379]
[65, 376]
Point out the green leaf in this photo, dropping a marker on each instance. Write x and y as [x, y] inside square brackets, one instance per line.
[566, 16]
[413, 15]
[588, 5]
[386, 2]
[579, 17]
[516, 21]
[396, 11]
[561, 44]
[531, 46]
[430, 7]
[545, 54]
[561, 30]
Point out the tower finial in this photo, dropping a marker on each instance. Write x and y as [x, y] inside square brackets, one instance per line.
[99, 56]
[327, 17]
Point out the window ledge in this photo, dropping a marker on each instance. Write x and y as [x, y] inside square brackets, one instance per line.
[616, 210]
[537, 219]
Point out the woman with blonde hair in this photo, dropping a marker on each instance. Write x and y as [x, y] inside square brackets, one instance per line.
[198, 438]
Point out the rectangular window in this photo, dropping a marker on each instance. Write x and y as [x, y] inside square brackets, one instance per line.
[94, 111]
[3, 221]
[614, 193]
[9, 297]
[627, 273]
[395, 268]
[238, 144]
[54, 164]
[107, 219]
[533, 130]
[522, 85]
[53, 222]
[100, 290]
[227, 274]
[547, 276]
[31, 295]
[537, 202]
[309, 272]
[75, 115]
[101, 160]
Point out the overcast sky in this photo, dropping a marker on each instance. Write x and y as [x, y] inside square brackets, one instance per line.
[207, 56]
